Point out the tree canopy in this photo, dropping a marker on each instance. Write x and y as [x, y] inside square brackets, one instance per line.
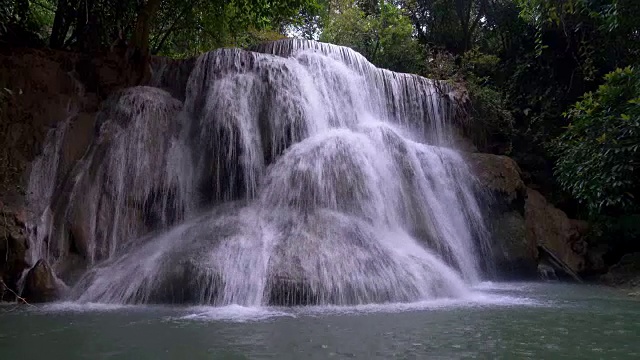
[599, 153]
[380, 31]
[169, 27]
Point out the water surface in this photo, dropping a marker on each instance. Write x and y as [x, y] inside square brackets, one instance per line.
[508, 321]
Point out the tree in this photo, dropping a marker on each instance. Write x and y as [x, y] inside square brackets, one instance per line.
[174, 27]
[452, 24]
[382, 33]
[140, 36]
[186, 28]
[23, 22]
[562, 51]
[599, 154]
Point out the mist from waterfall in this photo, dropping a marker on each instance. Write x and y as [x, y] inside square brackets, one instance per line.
[296, 173]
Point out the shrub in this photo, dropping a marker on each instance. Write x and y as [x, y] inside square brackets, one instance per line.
[599, 153]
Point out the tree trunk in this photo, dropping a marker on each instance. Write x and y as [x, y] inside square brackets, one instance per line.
[85, 36]
[137, 55]
[140, 38]
[58, 31]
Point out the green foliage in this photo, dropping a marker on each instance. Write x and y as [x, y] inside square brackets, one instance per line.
[587, 26]
[490, 123]
[203, 25]
[599, 154]
[23, 21]
[354, 29]
[385, 36]
[454, 25]
[398, 49]
[618, 232]
[176, 27]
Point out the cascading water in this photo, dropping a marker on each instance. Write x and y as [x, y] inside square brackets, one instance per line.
[297, 173]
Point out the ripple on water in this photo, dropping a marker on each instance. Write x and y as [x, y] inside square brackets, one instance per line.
[487, 297]
[232, 313]
[237, 313]
[504, 286]
[475, 299]
[70, 306]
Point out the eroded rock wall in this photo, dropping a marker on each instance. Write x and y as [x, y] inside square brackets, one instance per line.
[504, 195]
[41, 91]
[13, 248]
[550, 227]
[521, 222]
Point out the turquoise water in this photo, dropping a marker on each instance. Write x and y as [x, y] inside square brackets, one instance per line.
[500, 320]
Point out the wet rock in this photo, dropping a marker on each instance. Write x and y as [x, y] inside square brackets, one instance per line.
[45, 91]
[285, 291]
[171, 75]
[514, 255]
[503, 193]
[501, 176]
[462, 142]
[187, 282]
[520, 220]
[546, 271]
[13, 247]
[57, 90]
[77, 138]
[596, 263]
[550, 227]
[626, 273]
[41, 284]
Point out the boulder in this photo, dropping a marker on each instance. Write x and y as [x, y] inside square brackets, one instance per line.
[550, 227]
[546, 270]
[596, 263]
[41, 284]
[625, 273]
[500, 175]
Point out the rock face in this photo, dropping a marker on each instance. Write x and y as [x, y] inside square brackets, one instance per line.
[13, 247]
[514, 254]
[501, 176]
[41, 284]
[521, 220]
[47, 91]
[550, 227]
[45, 88]
[289, 292]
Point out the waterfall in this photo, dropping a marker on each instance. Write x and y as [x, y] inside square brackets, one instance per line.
[295, 173]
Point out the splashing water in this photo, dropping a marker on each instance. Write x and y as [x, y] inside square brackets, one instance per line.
[297, 173]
